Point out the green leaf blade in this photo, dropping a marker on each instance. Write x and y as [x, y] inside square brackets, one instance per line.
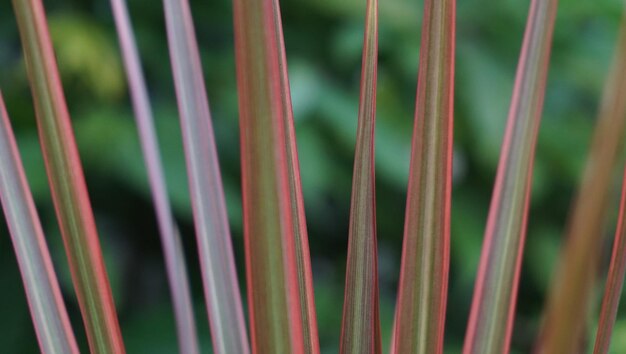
[422, 292]
[495, 293]
[361, 319]
[280, 286]
[67, 182]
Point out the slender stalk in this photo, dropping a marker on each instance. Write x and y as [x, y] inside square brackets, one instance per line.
[614, 282]
[65, 174]
[493, 307]
[422, 292]
[52, 325]
[360, 330]
[219, 275]
[569, 299]
[303, 272]
[282, 311]
[170, 238]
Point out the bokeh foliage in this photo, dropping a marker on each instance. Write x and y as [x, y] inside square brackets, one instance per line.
[323, 42]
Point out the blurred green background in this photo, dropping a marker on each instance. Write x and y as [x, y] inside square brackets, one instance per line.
[323, 40]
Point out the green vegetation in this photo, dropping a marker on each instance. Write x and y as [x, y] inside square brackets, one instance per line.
[324, 47]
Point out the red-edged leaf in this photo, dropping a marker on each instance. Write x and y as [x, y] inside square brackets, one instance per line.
[493, 307]
[280, 289]
[614, 282]
[219, 275]
[52, 325]
[421, 307]
[67, 183]
[170, 239]
[360, 330]
[570, 297]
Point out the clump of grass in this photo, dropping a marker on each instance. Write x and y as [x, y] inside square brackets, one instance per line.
[279, 278]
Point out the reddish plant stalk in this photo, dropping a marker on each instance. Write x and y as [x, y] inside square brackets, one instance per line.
[170, 238]
[280, 289]
[217, 261]
[52, 325]
[614, 282]
[422, 292]
[360, 330]
[493, 307]
[569, 298]
[67, 182]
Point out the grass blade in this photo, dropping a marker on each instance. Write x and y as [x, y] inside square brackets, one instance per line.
[282, 311]
[422, 292]
[219, 275]
[67, 182]
[170, 239]
[360, 330]
[614, 282]
[52, 325]
[303, 272]
[570, 297]
[491, 318]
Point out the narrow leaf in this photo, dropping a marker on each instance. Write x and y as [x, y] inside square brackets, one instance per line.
[52, 325]
[495, 293]
[614, 282]
[219, 275]
[303, 271]
[170, 239]
[67, 182]
[360, 330]
[280, 289]
[569, 299]
[422, 292]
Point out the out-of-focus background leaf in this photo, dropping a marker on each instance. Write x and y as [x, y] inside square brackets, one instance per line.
[323, 41]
